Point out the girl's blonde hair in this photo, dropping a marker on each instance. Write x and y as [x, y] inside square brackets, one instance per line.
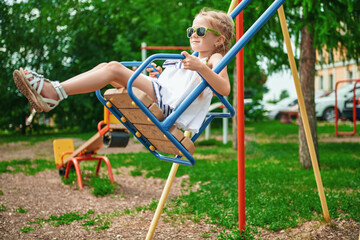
[221, 23]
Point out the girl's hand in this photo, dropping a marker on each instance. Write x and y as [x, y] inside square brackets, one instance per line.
[191, 62]
[152, 72]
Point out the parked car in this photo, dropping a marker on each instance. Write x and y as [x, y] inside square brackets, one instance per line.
[273, 110]
[348, 108]
[325, 106]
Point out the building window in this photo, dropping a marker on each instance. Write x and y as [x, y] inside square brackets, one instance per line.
[331, 57]
[350, 75]
[321, 83]
[331, 87]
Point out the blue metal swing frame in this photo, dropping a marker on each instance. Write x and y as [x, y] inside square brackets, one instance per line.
[169, 121]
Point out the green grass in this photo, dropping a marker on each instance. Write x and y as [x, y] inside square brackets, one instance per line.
[32, 139]
[98, 222]
[20, 210]
[279, 193]
[100, 186]
[27, 166]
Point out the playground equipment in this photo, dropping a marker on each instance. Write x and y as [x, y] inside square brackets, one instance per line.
[225, 122]
[353, 132]
[144, 49]
[114, 134]
[164, 126]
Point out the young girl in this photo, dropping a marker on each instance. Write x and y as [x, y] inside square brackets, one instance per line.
[209, 35]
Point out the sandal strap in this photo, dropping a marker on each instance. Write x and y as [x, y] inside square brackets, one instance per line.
[38, 83]
[59, 89]
[51, 102]
[37, 78]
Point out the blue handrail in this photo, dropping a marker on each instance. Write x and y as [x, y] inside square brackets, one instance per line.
[169, 121]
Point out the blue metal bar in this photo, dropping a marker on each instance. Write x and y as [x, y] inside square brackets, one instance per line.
[239, 8]
[131, 64]
[202, 128]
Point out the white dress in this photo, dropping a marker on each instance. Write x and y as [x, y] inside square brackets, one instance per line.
[176, 84]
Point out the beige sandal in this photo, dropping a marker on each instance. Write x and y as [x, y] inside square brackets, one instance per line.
[32, 89]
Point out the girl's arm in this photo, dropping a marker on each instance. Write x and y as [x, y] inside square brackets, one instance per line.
[219, 82]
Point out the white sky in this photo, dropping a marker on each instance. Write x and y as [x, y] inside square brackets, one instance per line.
[278, 82]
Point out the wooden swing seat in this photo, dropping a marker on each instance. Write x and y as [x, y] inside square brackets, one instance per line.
[145, 127]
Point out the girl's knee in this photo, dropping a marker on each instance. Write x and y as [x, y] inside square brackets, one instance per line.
[115, 65]
[115, 68]
[116, 71]
[101, 65]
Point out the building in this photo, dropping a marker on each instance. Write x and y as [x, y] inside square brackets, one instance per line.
[331, 68]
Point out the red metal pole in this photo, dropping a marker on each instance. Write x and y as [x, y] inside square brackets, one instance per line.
[337, 133]
[240, 124]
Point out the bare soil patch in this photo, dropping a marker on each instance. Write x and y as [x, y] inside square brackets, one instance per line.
[44, 194]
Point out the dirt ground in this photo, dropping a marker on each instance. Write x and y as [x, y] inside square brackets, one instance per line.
[44, 194]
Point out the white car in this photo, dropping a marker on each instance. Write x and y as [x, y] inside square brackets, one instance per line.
[325, 106]
[273, 110]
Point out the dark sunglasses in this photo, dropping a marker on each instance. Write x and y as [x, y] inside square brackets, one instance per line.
[200, 31]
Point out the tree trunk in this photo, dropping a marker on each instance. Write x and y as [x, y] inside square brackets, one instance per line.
[307, 79]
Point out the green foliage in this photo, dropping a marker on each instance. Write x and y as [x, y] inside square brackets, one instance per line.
[136, 172]
[62, 39]
[235, 234]
[254, 112]
[32, 139]
[101, 186]
[27, 229]
[21, 210]
[27, 166]
[98, 222]
[279, 194]
[3, 208]
[284, 94]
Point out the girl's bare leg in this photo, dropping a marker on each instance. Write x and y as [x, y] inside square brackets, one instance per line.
[99, 77]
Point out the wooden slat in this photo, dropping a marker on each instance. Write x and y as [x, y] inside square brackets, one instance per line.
[136, 115]
[91, 145]
[153, 132]
[164, 146]
[117, 126]
[189, 145]
[121, 100]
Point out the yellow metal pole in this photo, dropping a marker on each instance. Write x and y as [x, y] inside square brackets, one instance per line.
[232, 6]
[303, 113]
[161, 204]
[163, 197]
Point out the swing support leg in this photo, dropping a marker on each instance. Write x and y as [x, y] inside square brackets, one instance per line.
[163, 198]
[304, 116]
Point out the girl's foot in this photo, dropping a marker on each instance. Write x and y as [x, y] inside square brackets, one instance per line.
[37, 90]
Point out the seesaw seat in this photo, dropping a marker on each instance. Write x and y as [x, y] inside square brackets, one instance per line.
[132, 113]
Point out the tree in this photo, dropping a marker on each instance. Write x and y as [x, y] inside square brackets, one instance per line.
[333, 25]
[63, 38]
[283, 94]
[315, 25]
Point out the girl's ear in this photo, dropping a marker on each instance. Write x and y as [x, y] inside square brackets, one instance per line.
[220, 41]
